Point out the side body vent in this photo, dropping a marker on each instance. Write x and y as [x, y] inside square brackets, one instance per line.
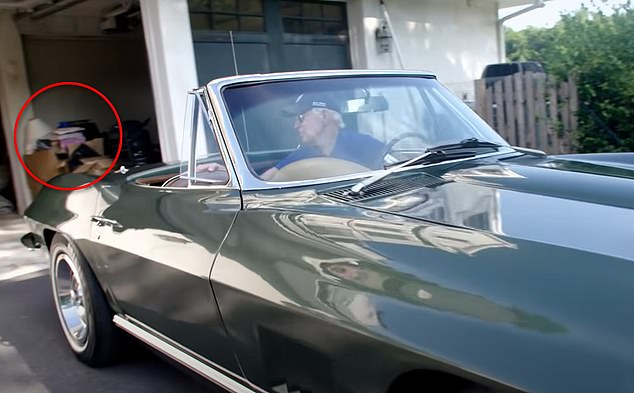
[387, 187]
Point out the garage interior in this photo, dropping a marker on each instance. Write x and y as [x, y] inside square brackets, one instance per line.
[99, 43]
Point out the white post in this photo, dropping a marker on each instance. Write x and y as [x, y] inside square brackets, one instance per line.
[501, 42]
[500, 26]
[356, 32]
[170, 51]
[14, 91]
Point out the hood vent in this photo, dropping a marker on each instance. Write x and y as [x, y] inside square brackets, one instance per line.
[390, 186]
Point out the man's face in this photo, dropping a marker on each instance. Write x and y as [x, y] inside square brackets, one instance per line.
[310, 126]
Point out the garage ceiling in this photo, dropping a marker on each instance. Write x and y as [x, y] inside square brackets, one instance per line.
[74, 18]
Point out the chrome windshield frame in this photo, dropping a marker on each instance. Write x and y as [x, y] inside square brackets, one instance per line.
[247, 180]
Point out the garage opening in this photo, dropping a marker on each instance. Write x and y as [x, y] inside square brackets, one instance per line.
[99, 43]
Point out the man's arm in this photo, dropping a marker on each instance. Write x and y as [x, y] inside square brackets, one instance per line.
[213, 167]
[301, 153]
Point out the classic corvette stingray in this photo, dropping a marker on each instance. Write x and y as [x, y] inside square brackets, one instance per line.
[352, 231]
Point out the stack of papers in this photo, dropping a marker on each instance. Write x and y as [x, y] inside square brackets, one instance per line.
[67, 136]
[67, 130]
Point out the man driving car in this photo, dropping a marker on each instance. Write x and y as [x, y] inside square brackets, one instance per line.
[322, 134]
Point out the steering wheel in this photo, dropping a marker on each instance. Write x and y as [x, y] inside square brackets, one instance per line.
[313, 168]
[398, 138]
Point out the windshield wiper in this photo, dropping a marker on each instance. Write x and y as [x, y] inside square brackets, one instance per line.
[465, 144]
[432, 155]
[443, 151]
[428, 157]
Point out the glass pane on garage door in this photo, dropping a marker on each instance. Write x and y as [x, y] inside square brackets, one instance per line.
[215, 59]
[315, 57]
[268, 36]
[313, 17]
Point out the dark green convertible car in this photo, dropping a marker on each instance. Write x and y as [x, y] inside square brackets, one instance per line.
[352, 231]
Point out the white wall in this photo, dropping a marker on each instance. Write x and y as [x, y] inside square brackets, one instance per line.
[14, 91]
[116, 67]
[452, 39]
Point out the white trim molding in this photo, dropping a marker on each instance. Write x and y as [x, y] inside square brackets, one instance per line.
[170, 49]
[223, 378]
[14, 91]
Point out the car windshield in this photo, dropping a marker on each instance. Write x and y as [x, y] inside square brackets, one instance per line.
[317, 128]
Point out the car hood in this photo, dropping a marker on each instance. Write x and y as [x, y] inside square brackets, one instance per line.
[495, 266]
[563, 202]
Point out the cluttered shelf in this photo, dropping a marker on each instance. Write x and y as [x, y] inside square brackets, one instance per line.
[79, 147]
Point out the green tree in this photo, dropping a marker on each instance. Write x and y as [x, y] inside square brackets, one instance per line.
[597, 49]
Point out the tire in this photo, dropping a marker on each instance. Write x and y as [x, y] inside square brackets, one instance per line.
[81, 305]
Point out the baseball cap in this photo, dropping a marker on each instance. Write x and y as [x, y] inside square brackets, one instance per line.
[308, 101]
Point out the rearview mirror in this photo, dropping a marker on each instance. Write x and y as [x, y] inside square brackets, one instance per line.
[367, 104]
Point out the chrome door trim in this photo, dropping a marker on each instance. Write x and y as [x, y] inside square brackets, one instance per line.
[207, 369]
[233, 180]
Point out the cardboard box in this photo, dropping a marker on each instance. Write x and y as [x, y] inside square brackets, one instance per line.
[45, 165]
[95, 166]
[95, 144]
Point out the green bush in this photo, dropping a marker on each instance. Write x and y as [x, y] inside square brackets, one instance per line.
[597, 49]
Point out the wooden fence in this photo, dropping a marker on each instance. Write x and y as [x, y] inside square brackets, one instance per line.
[531, 110]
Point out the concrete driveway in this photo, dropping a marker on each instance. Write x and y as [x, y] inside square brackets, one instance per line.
[15, 259]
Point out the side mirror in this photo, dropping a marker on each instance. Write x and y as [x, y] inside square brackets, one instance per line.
[31, 241]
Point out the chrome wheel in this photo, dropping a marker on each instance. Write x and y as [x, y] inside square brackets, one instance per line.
[69, 293]
[81, 305]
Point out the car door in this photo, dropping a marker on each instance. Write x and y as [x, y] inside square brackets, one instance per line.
[157, 245]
